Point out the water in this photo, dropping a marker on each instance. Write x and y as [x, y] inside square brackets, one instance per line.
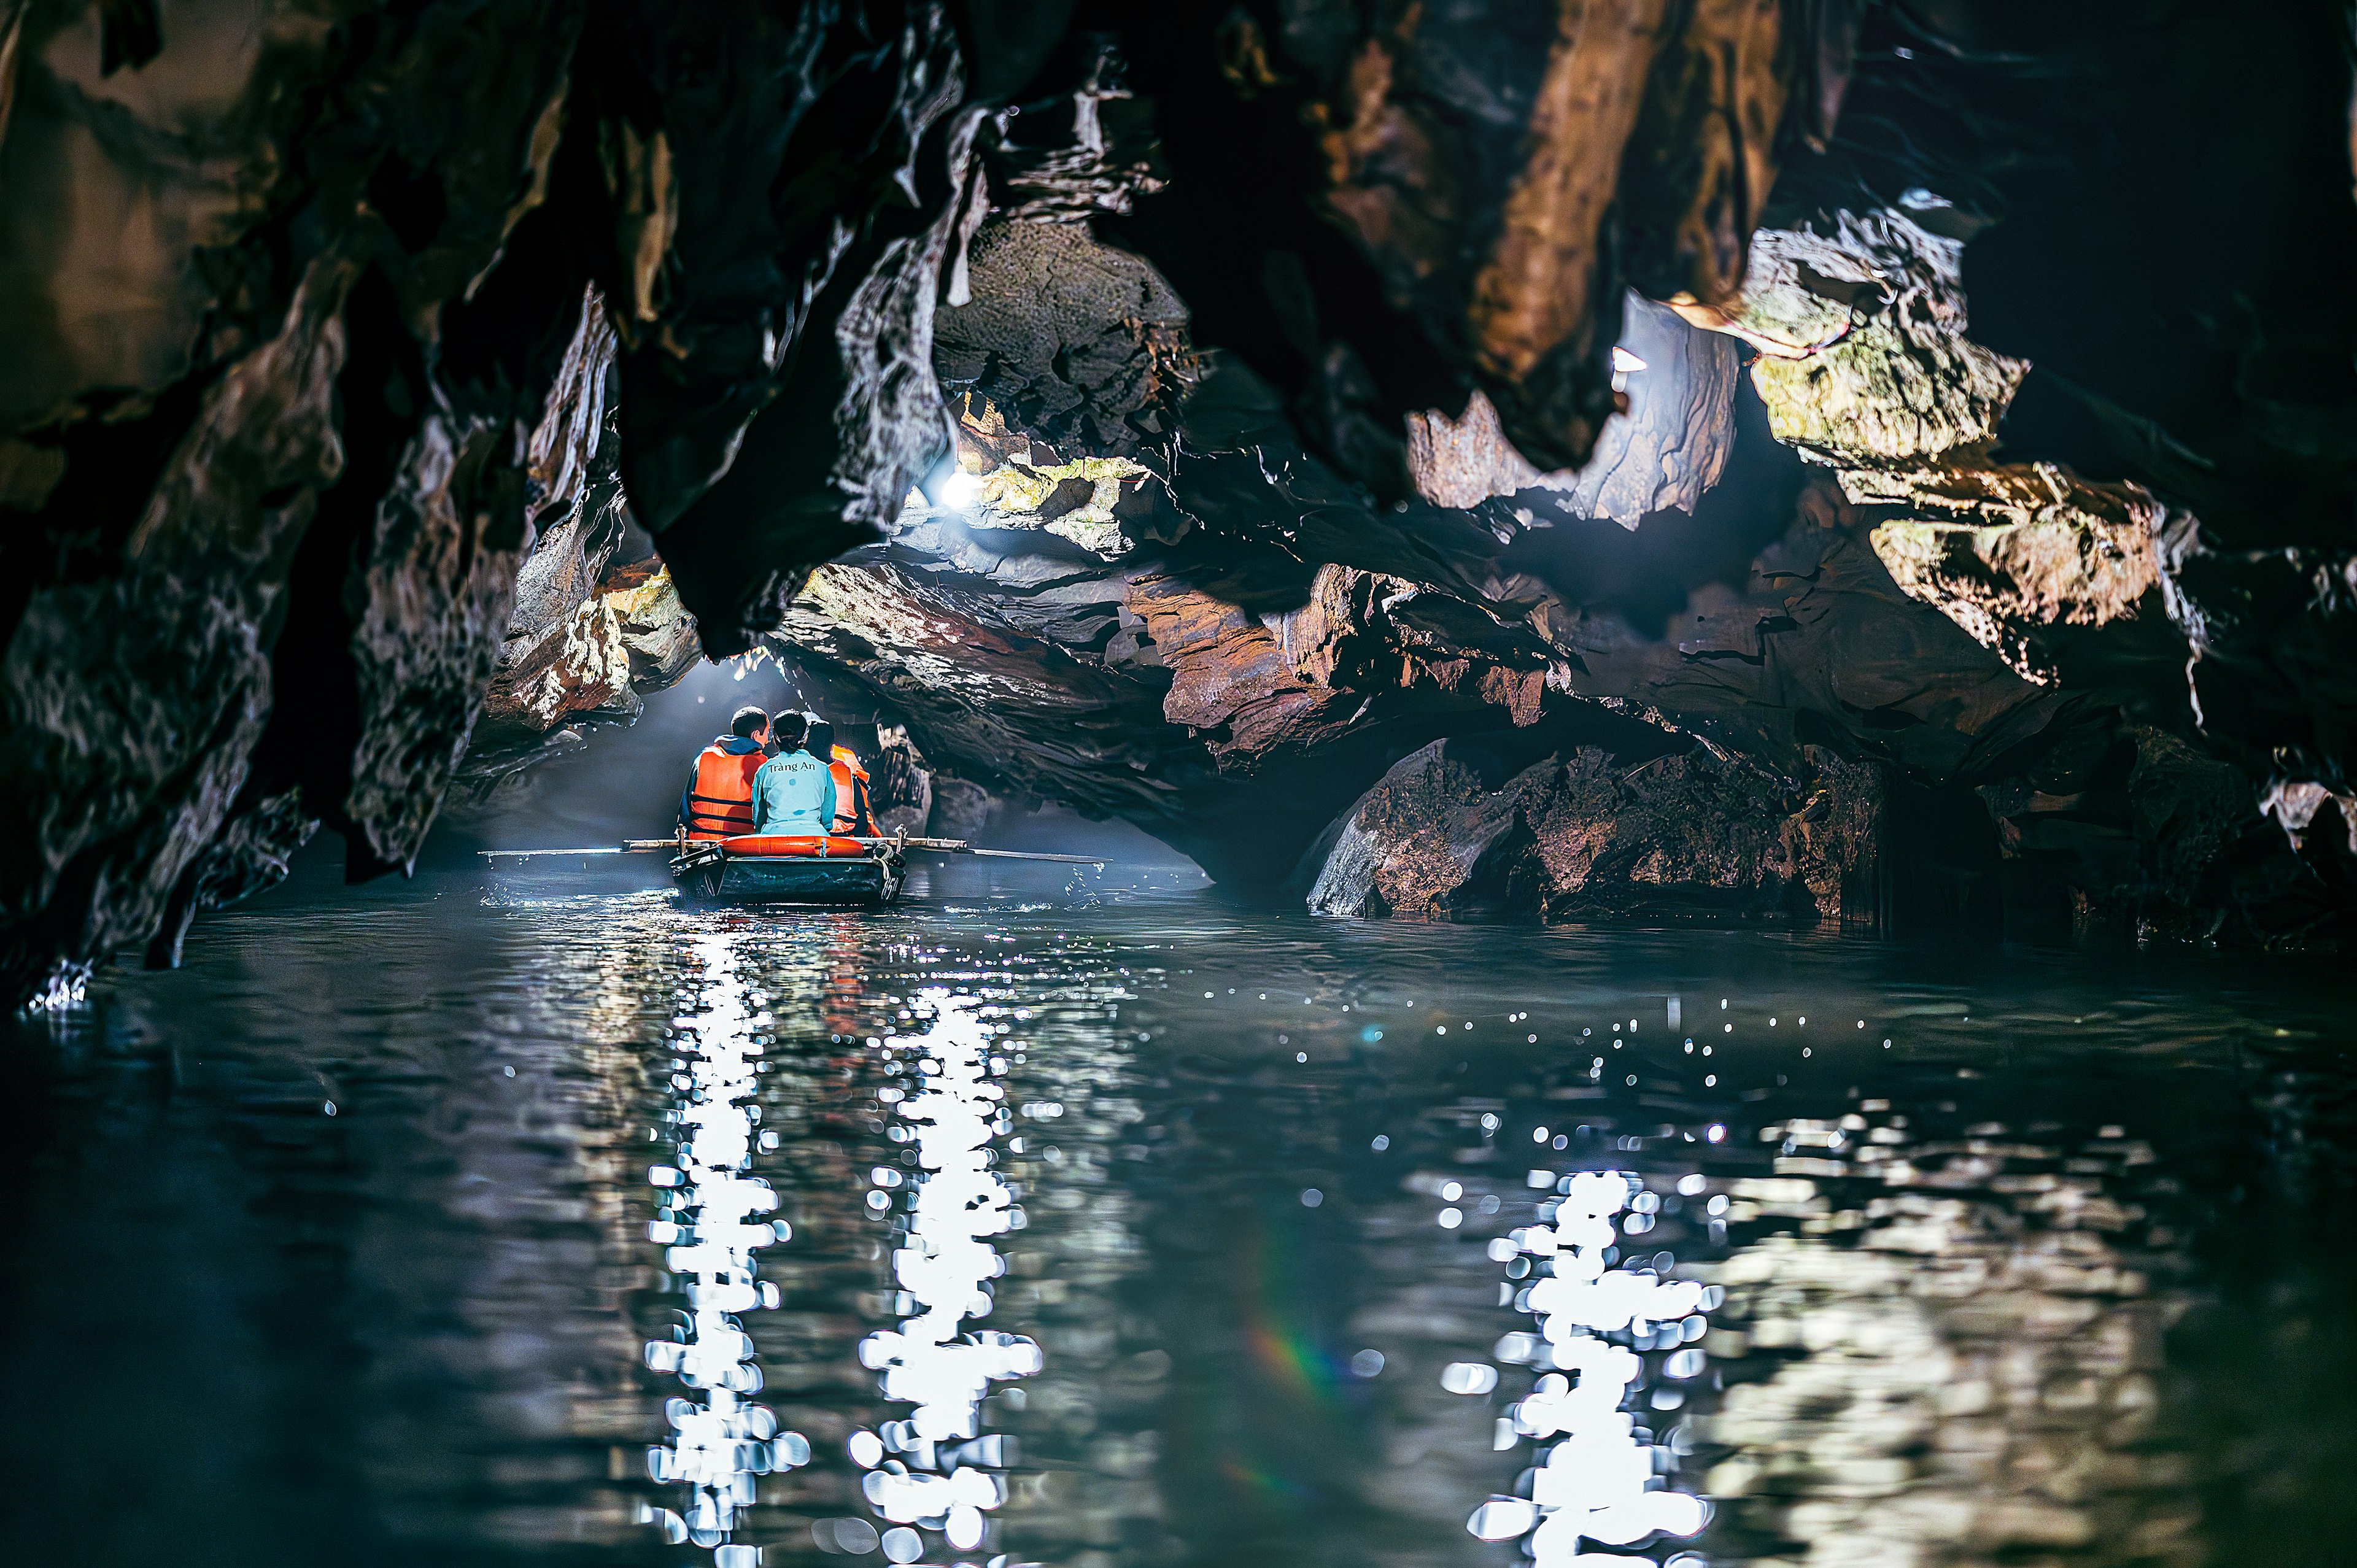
[1121, 1227]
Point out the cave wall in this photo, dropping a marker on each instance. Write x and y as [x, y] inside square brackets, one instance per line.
[1191, 414]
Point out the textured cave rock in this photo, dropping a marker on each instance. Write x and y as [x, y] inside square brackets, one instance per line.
[371, 369]
[1664, 451]
[1589, 836]
[786, 252]
[1069, 154]
[285, 295]
[1864, 358]
[2016, 555]
[1075, 343]
[1447, 200]
[279, 553]
[1234, 688]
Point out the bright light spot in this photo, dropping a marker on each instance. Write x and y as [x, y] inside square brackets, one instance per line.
[960, 488]
[1381, 1143]
[1539, 1135]
[1450, 1219]
[1311, 1197]
[1717, 1134]
[1468, 1377]
[1367, 1363]
[1624, 362]
[1450, 1191]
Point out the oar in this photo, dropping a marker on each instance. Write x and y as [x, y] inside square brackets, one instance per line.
[960, 846]
[633, 847]
[937, 846]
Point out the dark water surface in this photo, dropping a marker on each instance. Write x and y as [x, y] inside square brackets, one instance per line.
[1109, 1225]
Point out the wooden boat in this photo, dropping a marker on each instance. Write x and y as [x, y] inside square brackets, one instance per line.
[775, 868]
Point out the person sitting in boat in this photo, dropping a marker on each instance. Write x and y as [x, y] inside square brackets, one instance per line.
[793, 793]
[718, 801]
[852, 817]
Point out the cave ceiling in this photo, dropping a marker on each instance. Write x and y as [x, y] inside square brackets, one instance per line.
[1779, 451]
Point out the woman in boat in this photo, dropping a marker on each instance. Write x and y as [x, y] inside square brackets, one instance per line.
[794, 792]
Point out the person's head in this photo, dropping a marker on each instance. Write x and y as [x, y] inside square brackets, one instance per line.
[751, 724]
[788, 731]
[820, 741]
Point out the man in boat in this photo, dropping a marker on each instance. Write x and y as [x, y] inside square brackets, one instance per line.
[793, 793]
[851, 816]
[718, 801]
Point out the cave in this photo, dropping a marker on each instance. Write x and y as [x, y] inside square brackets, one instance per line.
[1784, 498]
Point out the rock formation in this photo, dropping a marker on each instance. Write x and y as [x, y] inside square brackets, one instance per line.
[1193, 414]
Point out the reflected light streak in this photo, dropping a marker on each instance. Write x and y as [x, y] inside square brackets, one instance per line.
[710, 1229]
[1599, 1482]
[944, 1476]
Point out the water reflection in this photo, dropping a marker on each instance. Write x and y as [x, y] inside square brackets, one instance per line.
[710, 1228]
[933, 1471]
[1879, 1349]
[1309, 1274]
[1598, 1482]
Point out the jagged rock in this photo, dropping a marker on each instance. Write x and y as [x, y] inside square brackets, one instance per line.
[573, 484]
[656, 630]
[1097, 503]
[249, 854]
[2011, 552]
[439, 575]
[134, 703]
[1678, 835]
[1664, 451]
[310, 321]
[2273, 666]
[1445, 200]
[578, 669]
[633, 636]
[1864, 359]
[1061, 159]
[1078, 345]
[778, 389]
[900, 785]
[961, 809]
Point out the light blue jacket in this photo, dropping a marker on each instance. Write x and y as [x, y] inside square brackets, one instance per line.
[793, 793]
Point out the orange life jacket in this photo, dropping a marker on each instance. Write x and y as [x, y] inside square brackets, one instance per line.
[720, 801]
[850, 791]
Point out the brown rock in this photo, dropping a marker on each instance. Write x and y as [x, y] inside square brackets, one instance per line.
[1678, 837]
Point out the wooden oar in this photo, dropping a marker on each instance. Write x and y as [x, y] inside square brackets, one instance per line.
[937, 846]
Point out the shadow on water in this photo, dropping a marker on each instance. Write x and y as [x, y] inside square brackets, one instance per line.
[1091, 1220]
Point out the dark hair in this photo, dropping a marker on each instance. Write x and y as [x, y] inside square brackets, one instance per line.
[748, 722]
[787, 730]
[821, 743]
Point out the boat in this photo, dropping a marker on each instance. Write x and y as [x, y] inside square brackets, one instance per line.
[835, 870]
[774, 868]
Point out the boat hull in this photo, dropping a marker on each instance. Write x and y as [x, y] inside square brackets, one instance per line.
[716, 874]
